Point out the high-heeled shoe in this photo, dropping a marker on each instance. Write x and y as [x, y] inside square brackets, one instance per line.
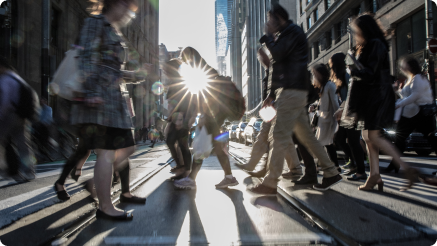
[371, 182]
[412, 174]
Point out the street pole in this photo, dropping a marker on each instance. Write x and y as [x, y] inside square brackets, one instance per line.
[430, 35]
[45, 47]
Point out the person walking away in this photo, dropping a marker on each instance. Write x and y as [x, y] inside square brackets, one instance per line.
[371, 103]
[261, 145]
[347, 139]
[326, 106]
[416, 92]
[104, 119]
[289, 89]
[19, 107]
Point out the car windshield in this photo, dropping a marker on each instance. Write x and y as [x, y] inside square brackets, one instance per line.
[257, 124]
[234, 128]
[243, 125]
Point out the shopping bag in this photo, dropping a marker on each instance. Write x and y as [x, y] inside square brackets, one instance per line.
[202, 144]
[66, 81]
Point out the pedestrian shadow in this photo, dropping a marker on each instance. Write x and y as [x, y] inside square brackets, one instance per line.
[169, 217]
[34, 204]
[246, 228]
[44, 227]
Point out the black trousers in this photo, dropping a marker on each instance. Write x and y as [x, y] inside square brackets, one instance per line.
[180, 136]
[82, 152]
[332, 153]
[351, 147]
[420, 123]
[308, 160]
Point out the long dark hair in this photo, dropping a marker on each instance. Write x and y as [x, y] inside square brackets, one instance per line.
[370, 29]
[323, 71]
[338, 69]
[413, 64]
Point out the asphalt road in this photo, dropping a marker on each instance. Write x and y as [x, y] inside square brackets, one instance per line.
[206, 216]
[31, 215]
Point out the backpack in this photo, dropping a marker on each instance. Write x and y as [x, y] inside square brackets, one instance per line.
[230, 97]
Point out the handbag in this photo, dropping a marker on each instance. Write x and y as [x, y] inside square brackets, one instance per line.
[428, 109]
[66, 80]
[202, 144]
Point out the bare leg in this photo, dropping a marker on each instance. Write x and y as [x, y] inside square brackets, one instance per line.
[373, 153]
[103, 176]
[386, 147]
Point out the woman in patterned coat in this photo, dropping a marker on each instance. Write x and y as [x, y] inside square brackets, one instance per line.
[104, 118]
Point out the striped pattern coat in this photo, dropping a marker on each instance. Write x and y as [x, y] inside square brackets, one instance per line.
[100, 65]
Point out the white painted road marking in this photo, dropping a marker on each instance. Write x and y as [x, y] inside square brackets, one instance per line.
[246, 239]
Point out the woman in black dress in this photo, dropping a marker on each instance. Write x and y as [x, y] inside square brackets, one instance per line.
[371, 102]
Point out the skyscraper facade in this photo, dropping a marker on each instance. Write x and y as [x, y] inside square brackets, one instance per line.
[222, 32]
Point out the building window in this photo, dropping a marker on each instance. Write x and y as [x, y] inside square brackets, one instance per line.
[309, 23]
[300, 7]
[54, 26]
[339, 31]
[376, 5]
[301, 25]
[310, 54]
[316, 49]
[327, 4]
[316, 15]
[411, 34]
[328, 40]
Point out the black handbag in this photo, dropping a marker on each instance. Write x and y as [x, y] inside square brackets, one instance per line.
[428, 109]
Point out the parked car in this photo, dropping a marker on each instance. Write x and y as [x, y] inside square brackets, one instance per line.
[239, 132]
[232, 132]
[251, 131]
[415, 142]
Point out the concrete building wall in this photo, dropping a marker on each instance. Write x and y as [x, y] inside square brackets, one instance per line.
[335, 20]
[22, 42]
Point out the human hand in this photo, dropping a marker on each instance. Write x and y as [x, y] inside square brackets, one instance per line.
[338, 114]
[311, 108]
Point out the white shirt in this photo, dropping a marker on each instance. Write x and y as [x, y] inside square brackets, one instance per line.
[416, 92]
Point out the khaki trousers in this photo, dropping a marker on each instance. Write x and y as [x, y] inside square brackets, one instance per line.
[292, 117]
[261, 146]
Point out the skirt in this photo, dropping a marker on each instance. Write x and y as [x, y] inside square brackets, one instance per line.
[102, 137]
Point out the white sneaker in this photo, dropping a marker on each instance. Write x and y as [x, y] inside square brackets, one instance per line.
[185, 183]
[225, 183]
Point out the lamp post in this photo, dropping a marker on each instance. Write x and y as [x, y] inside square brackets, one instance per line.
[429, 36]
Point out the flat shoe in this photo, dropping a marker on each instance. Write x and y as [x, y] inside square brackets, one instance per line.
[102, 215]
[62, 194]
[133, 199]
